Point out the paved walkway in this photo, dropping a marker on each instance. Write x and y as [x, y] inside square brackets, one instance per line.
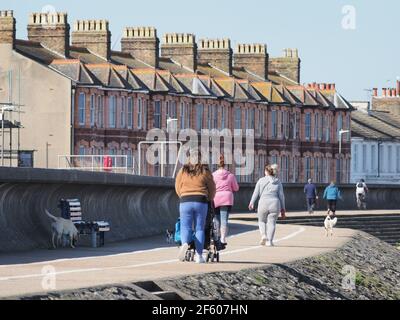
[319, 213]
[152, 259]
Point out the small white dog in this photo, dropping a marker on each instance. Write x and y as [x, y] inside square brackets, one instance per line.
[329, 224]
[61, 227]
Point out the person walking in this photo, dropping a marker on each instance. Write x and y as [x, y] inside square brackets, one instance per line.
[311, 195]
[226, 185]
[269, 191]
[195, 188]
[361, 194]
[332, 194]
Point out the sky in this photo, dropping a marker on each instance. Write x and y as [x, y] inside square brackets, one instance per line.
[351, 43]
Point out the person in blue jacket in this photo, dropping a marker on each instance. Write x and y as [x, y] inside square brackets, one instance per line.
[332, 194]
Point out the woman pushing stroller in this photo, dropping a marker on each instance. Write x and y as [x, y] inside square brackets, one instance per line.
[195, 188]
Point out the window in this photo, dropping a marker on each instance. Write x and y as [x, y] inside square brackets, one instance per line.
[381, 157]
[199, 116]
[215, 117]
[295, 169]
[389, 159]
[364, 158]
[250, 119]
[373, 159]
[157, 114]
[223, 118]
[328, 128]
[130, 113]
[316, 169]
[182, 115]
[188, 114]
[297, 123]
[338, 170]
[112, 112]
[339, 126]
[122, 113]
[100, 112]
[307, 166]
[274, 124]
[321, 128]
[285, 121]
[325, 170]
[308, 126]
[139, 113]
[355, 158]
[285, 169]
[92, 110]
[209, 120]
[81, 108]
[238, 118]
[144, 106]
[129, 159]
[398, 159]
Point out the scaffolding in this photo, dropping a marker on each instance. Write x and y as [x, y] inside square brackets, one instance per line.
[10, 121]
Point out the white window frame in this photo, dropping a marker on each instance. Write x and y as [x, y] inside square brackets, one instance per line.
[81, 108]
[130, 113]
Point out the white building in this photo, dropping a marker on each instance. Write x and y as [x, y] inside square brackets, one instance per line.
[375, 146]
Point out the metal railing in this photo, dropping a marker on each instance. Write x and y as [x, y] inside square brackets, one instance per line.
[118, 164]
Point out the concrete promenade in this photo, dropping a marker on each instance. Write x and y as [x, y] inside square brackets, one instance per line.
[24, 273]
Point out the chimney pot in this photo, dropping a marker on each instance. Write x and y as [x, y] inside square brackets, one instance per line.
[375, 92]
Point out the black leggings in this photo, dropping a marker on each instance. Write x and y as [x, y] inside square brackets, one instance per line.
[332, 205]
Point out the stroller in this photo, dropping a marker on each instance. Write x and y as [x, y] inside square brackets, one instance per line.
[212, 243]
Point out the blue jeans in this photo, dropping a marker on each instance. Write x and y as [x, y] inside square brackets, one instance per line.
[222, 216]
[193, 212]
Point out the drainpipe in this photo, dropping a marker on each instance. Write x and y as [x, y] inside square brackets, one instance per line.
[379, 158]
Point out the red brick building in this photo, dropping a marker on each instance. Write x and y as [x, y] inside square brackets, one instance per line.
[117, 96]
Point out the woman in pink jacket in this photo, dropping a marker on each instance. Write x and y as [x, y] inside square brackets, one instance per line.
[226, 185]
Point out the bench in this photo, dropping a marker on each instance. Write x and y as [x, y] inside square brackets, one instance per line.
[71, 209]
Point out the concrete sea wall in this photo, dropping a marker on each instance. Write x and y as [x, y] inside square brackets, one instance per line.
[135, 206]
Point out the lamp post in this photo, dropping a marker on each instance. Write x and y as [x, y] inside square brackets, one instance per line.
[341, 132]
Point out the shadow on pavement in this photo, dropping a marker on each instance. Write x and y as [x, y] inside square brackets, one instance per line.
[125, 247]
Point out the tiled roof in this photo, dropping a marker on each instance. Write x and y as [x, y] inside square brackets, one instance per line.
[368, 126]
[126, 72]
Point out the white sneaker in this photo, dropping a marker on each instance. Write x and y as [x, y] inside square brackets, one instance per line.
[263, 241]
[270, 244]
[199, 258]
[182, 251]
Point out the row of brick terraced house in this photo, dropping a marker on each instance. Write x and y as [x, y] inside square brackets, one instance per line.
[82, 98]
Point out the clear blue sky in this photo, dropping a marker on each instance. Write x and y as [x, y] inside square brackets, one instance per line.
[355, 59]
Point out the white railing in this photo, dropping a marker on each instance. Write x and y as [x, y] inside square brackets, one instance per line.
[116, 164]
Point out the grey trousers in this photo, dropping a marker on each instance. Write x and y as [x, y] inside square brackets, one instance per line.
[267, 224]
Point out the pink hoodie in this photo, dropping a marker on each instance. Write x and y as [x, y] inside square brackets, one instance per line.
[226, 185]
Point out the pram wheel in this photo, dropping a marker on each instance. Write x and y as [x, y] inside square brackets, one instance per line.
[189, 256]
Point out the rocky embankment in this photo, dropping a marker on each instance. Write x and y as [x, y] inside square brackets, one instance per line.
[372, 265]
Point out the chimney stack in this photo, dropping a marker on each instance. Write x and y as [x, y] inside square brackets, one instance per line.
[142, 43]
[51, 30]
[93, 35]
[252, 57]
[288, 65]
[216, 52]
[375, 92]
[384, 92]
[7, 27]
[180, 47]
[398, 88]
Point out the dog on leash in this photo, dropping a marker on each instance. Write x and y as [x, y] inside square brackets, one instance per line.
[61, 227]
[170, 236]
[329, 224]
